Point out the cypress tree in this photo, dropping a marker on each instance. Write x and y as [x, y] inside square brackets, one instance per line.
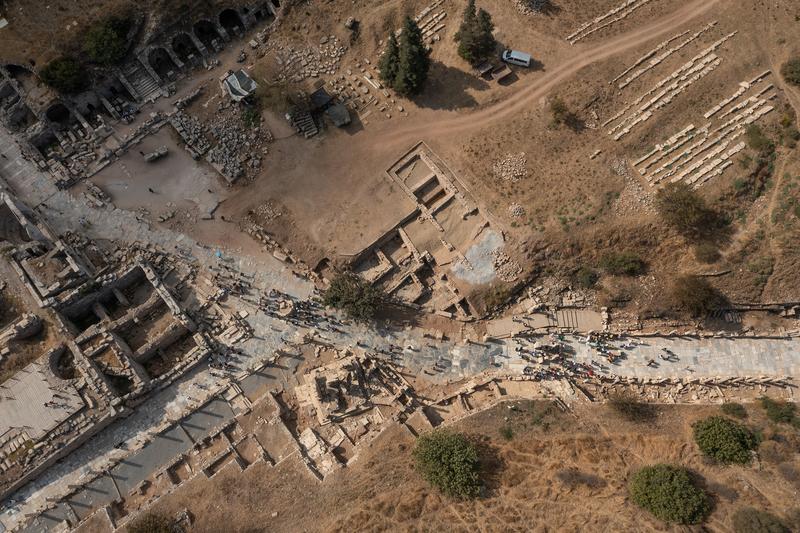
[486, 44]
[414, 60]
[467, 33]
[474, 37]
[389, 62]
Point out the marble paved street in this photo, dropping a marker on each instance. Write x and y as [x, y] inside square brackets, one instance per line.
[436, 361]
[693, 357]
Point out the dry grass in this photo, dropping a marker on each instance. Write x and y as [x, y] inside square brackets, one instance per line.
[560, 472]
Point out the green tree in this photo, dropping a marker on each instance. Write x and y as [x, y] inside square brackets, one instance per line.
[724, 440]
[475, 36]
[414, 60]
[669, 493]
[353, 295]
[106, 43]
[466, 36]
[65, 75]
[486, 44]
[389, 61]
[449, 462]
[750, 520]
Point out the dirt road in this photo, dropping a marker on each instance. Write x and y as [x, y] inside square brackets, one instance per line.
[339, 170]
[586, 54]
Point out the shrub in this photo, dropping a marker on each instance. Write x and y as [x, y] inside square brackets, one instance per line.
[734, 409]
[749, 520]
[151, 522]
[586, 278]
[106, 43]
[449, 462]
[65, 75]
[757, 140]
[630, 408]
[695, 295]
[685, 210]
[706, 252]
[623, 264]
[669, 493]
[507, 433]
[562, 115]
[791, 71]
[778, 411]
[724, 440]
[353, 295]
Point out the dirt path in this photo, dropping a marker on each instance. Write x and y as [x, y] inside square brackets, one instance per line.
[336, 170]
[587, 54]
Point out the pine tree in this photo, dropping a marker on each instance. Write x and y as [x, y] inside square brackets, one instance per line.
[474, 37]
[414, 60]
[467, 33]
[486, 44]
[389, 62]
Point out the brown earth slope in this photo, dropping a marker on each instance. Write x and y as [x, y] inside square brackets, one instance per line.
[558, 472]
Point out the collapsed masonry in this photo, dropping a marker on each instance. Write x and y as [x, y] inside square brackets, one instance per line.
[351, 399]
[121, 331]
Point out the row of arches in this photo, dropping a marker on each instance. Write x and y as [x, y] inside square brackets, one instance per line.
[166, 61]
[184, 47]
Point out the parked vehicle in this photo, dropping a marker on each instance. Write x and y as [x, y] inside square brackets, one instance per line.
[516, 58]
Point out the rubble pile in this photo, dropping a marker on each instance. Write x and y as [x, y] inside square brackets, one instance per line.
[95, 196]
[516, 210]
[620, 168]
[511, 168]
[532, 7]
[298, 64]
[238, 149]
[267, 211]
[191, 131]
[507, 269]
[634, 198]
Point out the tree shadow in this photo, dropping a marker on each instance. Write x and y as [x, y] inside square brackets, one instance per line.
[355, 125]
[446, 88]
[492, 465]
[399, 314]
[549, 8]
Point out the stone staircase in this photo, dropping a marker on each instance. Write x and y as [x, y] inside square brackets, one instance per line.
[304, 122]
[140, 80]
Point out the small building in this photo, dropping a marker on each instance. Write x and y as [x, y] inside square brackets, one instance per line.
[321, 101]
[239, 85]
[338, 114]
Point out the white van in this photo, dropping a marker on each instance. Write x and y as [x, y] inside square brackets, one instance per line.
[517, 58]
